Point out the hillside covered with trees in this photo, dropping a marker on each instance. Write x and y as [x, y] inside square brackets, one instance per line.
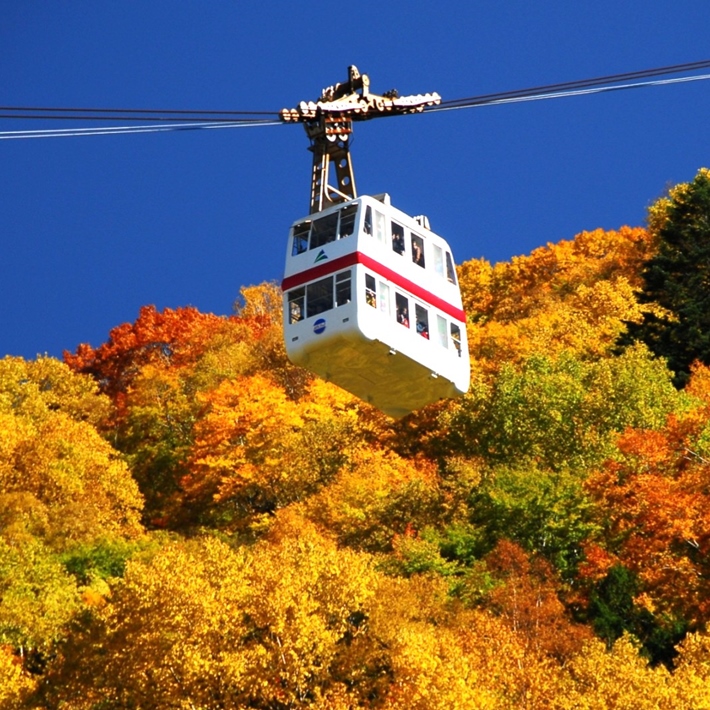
[189, 521]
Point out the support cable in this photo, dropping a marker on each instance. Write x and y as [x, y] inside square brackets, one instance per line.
[486, 101]
[579, 84]
[121, 130]
[163, 120]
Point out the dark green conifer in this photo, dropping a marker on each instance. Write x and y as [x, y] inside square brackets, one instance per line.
[678, 278]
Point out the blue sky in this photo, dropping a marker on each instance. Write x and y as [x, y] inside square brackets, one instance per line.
[92, 228]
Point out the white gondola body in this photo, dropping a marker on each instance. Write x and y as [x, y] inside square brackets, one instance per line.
[371, 303]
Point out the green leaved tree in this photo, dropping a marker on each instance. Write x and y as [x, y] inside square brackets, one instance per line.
[678, 278]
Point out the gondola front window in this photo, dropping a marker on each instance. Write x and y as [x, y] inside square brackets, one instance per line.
[319, 296]
[311, 234]
[324, 230]
[343, 291]
[347, 221]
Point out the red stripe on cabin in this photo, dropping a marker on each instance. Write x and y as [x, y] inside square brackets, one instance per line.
[323, 269]
[342, 262]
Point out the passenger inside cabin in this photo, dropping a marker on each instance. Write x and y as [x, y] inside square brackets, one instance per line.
[296, 302]
[296, 314]
[397, 239]
[418, 251]
[422, 321]
[402, 309]
[370, 291]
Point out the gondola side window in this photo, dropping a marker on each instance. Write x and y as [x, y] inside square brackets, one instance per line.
[370, 291]
[397, 238]
[379, 226]
[422, 316]
[367, 223]
[418, 250]
[402, 306]
[300, 237]
[378, 229]
[438, 261]
[441, 331]
[450, 271]
[384, 298]
[296, 302]
[456, 337]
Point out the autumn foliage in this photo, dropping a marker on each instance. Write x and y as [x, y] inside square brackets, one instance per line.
[189, 521]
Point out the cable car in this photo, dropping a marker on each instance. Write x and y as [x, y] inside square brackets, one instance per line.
[372, 304]
[371, 301]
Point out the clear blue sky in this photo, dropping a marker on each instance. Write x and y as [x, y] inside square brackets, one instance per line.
[93, 228]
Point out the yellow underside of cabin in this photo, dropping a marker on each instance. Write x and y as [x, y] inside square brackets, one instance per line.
[372, 371]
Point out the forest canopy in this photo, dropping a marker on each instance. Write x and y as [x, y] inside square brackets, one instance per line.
[189, 521]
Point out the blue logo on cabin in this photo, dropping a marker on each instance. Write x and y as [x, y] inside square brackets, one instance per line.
[321, 256]
[319, 326]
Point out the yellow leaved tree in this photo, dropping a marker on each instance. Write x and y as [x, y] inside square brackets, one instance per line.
[62, 487]
[202, 625]
[574, 295]
[257, 450]
[55, 462]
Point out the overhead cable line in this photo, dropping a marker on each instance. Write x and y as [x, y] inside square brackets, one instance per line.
[519, 98]
[573, 85]
[163, 120]
[119, 130]
[129, 114]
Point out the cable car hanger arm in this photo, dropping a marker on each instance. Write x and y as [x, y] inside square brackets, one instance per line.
[353, 99]
[328, 124]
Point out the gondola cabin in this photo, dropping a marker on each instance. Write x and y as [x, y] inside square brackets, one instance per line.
[371, 303]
